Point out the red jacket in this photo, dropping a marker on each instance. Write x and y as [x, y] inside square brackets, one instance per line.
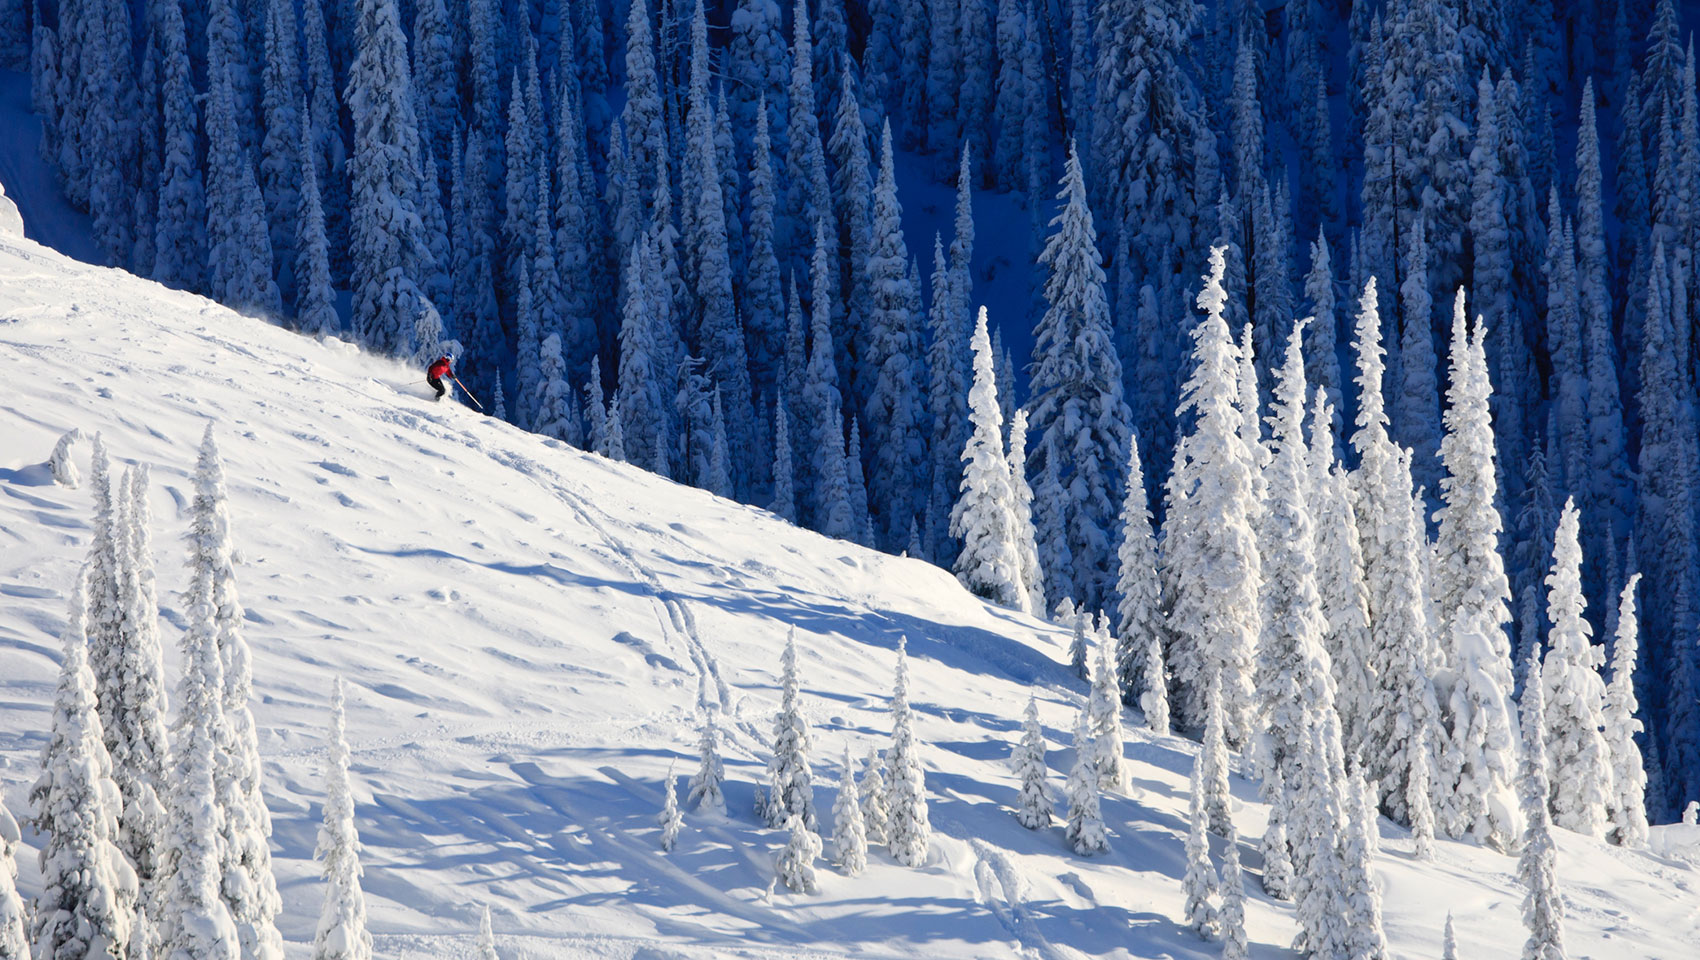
[439, 369]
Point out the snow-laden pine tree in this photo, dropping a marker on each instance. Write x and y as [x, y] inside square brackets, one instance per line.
[1340, 578]
[1213, 761]
[1077, 405]
[1419, 800]
[784, 502]
[1573, 693]
[876, 814]
[1140, 607]
[1537, 867]
[908, 830]
[1477, 750]
[790, 784]
[849, 832]
[1277, 856]
[250, 889]
[758, 64]
[63, 468]
[130, 681]
[1416, 398]
[1360, 892]
[1322, 357]
[890, 353]
[1627, 805]
[1034, 809]
[180, 221]
[1105, 712]
[315, 298]
[1232, 914]
[14, 941]
[1211, 546]
[643, 399]
[984, 515]
[705, 789]
[86, 904]
[1292, 674]
[1449, 941]
[1402, 650]
[669, 819]
[342, 933]
[195, 921]
[384, 189]
[1200, 881]
[239, 251]
[1316, 826]
[554, 417]
[796, 863]
[1084, 826]
[485, 947]
[1026, 535]
[280, 155]
[1077, 618]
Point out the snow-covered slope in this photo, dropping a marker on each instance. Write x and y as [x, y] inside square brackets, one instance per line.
[528, 633]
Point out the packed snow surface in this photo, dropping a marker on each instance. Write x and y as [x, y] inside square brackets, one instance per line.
[530, 635]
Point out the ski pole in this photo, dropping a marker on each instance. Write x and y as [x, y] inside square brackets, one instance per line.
[468, 393]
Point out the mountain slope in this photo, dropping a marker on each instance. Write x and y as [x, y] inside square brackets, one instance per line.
[528, 633]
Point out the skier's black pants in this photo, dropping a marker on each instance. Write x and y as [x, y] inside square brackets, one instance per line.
[438, 383]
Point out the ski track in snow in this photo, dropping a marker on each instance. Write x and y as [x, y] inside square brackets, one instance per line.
[531, 635]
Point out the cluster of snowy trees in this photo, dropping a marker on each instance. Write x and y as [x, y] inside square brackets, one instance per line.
[888, 805]
[155, 837]
[713, 282]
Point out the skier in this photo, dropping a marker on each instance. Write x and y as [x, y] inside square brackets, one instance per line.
[434, 375]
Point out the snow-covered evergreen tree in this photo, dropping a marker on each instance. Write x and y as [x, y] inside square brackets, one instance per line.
[1419, 800]
[1416, 400]
[554, 416]
[849, 833]
[14, 941]
[983, 518]
[1105, 710]
[249, 888]
[1026, 535]
[1034, 809]
[1292, 673]
[790, 784]
[1077, 406]
[342, 933]
[1277, 857]
[1537, 869]
[705, 789]
[1340, 578]
[758, 63]
[195, 921]
[239, 250]
[130, 682]
[280, 153]
[1214, 617]
[642, 398]
[180, 222]
[892, 340]
[669, 819]
[63, 468]
[1359, 890]
[1627, 805]
[908, 829]
[1200, 881]
[315, 299]
[784, 489]
[796, 863]
[876, 815]
[1077, 647]
[1084, 828]
[1232, 914]
[1140, 609]
[1573, 694]
[485, 948]
[1471, 598]
[1214, 760]
[1322, 357]
[86, 903]
[384, 190]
